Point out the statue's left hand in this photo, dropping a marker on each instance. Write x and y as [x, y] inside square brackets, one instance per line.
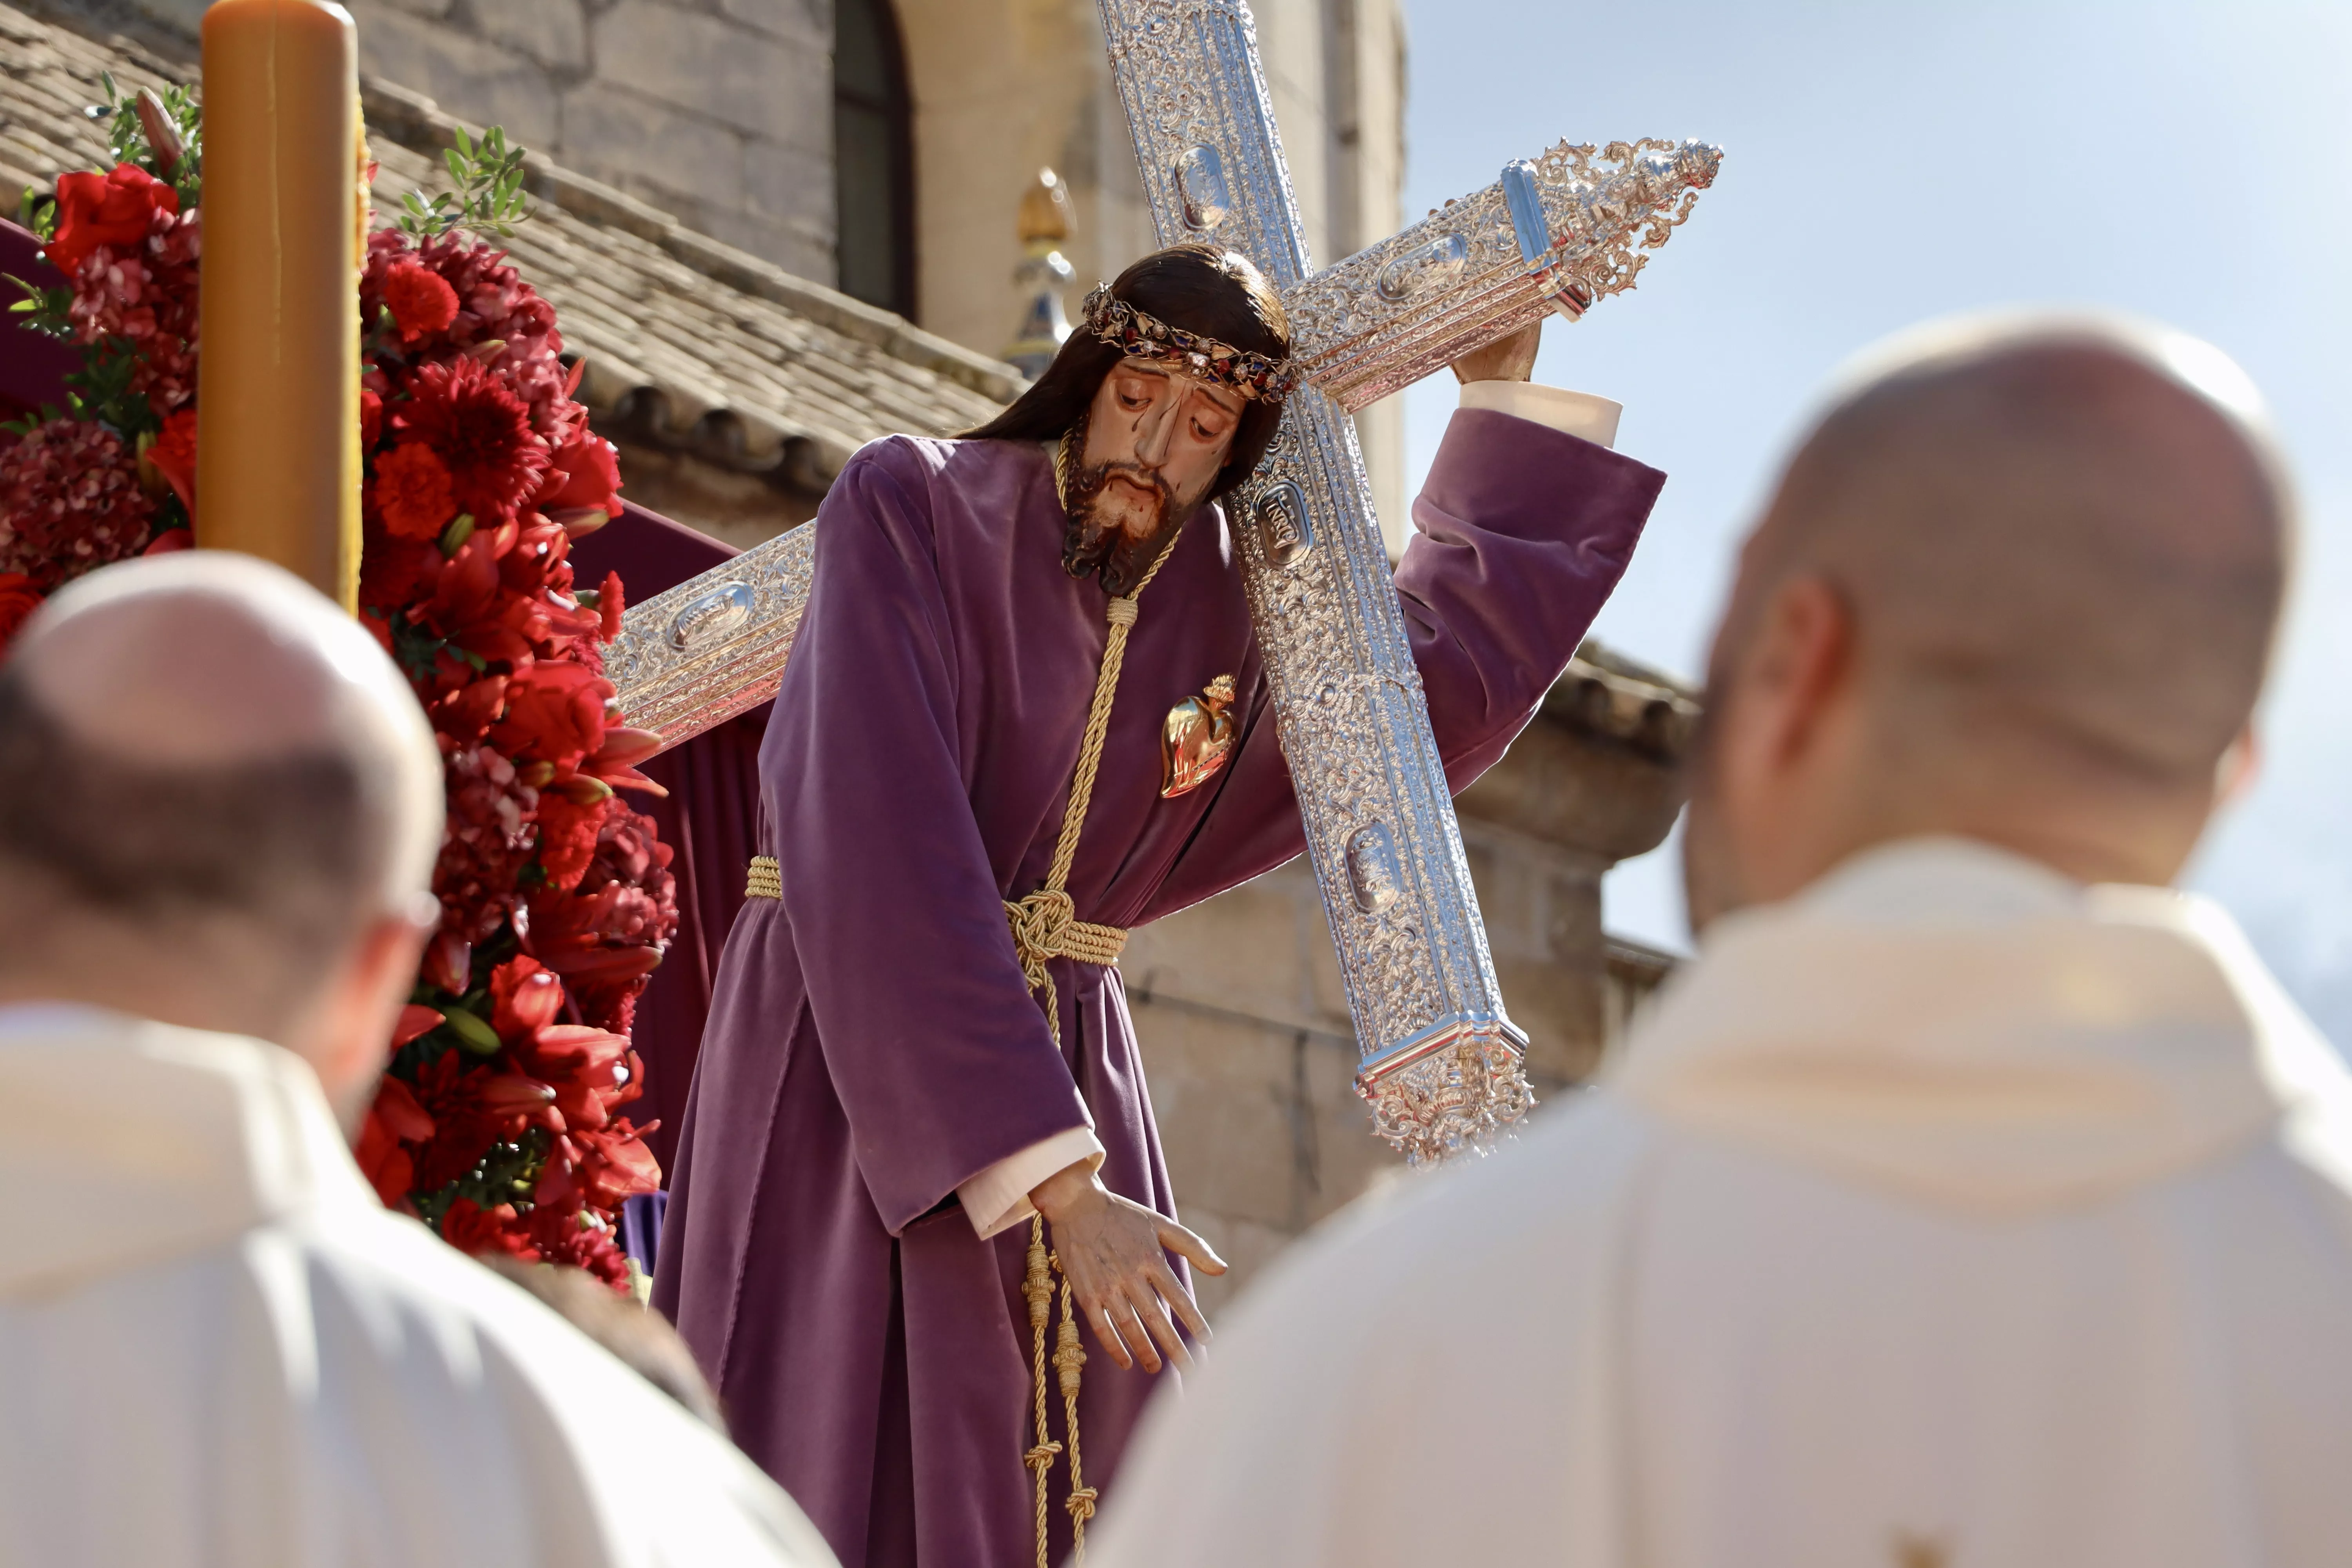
[1505, 359]
[1111, 1252]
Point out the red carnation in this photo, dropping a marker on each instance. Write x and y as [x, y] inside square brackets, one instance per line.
[480, 431]
[567, 838]
[96, 209]
[370, 419]
[413, 492]
[555, 713]
[19, 599]
[420, 300]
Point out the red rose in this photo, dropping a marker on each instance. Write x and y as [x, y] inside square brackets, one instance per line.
[173, 456]
[414, 493]
[106, 209]
[19, 599]
[555, 713]
[420, 300]
[586, 474]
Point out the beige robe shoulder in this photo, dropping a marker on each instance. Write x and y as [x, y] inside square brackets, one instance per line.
[1948, 1216]
[217, 1349]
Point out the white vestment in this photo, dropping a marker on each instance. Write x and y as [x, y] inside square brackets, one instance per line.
[217, 1349]
[1948, 1216]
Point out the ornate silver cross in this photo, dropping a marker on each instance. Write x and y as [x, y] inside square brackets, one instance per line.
[1441, 1057]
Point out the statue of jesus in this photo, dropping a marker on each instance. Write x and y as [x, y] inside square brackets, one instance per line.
[1025, 710]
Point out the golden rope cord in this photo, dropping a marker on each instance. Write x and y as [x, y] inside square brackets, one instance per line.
[1045, 926]
[1037, 1289]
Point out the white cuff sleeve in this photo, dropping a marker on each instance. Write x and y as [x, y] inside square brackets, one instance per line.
[998, 1198]
[1569, 413]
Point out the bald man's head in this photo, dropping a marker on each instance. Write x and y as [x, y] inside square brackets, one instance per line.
[2057, 548]
[199, 753]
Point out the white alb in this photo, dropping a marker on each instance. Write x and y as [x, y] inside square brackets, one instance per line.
[218, 1351]
[1949, 1215]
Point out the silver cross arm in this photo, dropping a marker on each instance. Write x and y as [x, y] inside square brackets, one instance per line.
[1441, 1057]
[1475, 269]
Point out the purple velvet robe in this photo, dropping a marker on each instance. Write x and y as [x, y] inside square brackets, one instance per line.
[872, 1043]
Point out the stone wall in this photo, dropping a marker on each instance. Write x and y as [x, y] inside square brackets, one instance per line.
[718, 112]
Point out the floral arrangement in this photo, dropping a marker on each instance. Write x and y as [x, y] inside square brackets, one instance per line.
[499, 1119]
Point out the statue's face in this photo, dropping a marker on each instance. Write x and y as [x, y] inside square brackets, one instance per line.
[1156, 438]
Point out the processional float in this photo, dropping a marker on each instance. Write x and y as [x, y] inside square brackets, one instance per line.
[1441, 1058]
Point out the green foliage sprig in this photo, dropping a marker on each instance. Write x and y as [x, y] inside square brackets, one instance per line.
[128, 139]
[488, 198]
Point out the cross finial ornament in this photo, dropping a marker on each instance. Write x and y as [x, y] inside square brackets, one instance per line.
[1554, 233]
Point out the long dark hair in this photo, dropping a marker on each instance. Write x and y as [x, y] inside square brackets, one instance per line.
[1199, 287]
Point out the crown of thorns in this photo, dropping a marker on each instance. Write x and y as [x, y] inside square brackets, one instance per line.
[1140, 335]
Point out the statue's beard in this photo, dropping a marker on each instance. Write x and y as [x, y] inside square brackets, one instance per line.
[1117, 551]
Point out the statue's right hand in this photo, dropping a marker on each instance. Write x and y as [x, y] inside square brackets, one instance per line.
[1112, 1252]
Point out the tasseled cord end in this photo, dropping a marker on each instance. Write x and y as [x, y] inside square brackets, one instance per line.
[1069, 1360]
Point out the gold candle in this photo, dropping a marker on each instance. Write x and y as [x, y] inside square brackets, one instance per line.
[277, 446]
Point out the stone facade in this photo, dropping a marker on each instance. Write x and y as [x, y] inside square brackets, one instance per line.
[719, 112]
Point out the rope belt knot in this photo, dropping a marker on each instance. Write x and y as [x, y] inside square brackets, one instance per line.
[1045, 925]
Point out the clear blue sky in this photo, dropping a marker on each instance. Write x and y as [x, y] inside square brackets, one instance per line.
[1887, 163]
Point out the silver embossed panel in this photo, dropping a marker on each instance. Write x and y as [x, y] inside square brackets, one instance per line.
[714, 645]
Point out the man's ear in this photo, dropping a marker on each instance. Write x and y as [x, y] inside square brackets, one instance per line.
[344, 1038]
[1803, 656]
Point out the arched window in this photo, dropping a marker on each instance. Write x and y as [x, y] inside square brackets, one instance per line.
[873, 157]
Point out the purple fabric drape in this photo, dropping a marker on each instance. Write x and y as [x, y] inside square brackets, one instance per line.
[32, 367]
[710, 820]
